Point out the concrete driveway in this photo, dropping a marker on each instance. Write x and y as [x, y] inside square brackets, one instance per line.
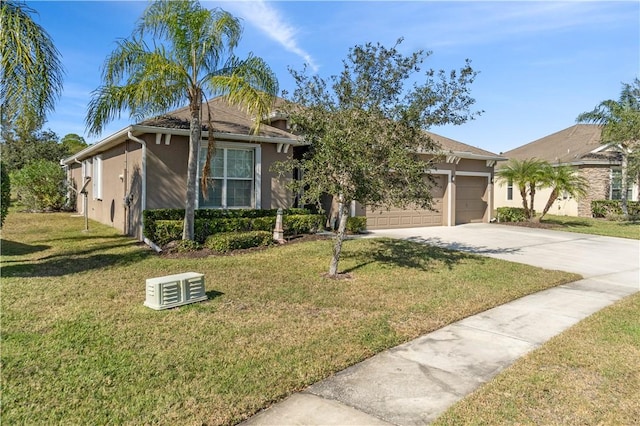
[415, 382]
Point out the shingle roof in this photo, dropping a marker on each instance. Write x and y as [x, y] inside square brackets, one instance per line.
[450, 145]
[573, 144]
[231, 119]
[226, 118]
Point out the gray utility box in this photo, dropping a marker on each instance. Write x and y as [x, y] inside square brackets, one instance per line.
[175, 290]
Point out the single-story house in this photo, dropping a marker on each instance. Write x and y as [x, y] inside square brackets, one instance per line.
[578, 146]
[144, 166]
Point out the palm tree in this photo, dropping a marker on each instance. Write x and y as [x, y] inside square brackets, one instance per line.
[526, 175]
[620, 121]
[562, 179]
[197, 61]
[31, 70]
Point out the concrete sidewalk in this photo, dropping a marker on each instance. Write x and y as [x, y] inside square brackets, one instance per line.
[415, 382]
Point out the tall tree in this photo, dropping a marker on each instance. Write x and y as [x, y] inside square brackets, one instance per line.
[527, 176]
[366, 128]
[192, 55]
[30, 68]
[19, 149]
[73, 143]
[561, 179]
[620, 121]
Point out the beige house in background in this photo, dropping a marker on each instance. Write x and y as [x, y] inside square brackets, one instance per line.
[578, 146]
[144, 166]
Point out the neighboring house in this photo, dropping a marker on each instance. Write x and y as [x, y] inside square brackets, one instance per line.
[144, 166]
[463, 193]
[578, 146]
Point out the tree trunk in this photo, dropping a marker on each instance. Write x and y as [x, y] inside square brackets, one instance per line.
[523, 194]
[624, 184]
[532, 211]
[195, 132]
[338, 239]
[552, 199]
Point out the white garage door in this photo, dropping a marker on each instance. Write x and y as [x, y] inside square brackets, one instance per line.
[408, 217]
[471, 199]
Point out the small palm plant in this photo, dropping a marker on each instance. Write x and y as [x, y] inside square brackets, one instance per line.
[191, 56]
[562, 179]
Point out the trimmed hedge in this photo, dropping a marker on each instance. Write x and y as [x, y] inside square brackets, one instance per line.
[357, 224]
[150, 217]
[609, 208]
[510, 214]
[162, 231]
[227, 241]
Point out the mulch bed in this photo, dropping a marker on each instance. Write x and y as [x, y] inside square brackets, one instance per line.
[538, 225]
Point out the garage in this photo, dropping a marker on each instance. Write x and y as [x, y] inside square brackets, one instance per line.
[412, 218]
[471, 199]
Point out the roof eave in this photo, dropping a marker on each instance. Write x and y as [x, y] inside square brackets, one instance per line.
[121, 135]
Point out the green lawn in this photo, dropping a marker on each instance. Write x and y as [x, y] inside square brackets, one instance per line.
[79, 347]
[588, 375]
[604, 227]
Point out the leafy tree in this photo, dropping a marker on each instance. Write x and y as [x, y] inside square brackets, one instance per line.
[21, 148]
[191, 56]
[620, 121]
[73, 143]
[39, 185]
[31, 70]
[365, 129]
[562, 179]
[5, 193]
[527, 175]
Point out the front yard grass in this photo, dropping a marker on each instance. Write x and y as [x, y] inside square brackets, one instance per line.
[78, 346]
[609, 228]
[588, 375]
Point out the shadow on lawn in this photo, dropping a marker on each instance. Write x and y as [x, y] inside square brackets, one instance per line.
[420, 253]
[78, 261]
[14, 248]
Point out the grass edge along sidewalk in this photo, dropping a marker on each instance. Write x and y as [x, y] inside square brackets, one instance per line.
[586, 375]
[78, 346]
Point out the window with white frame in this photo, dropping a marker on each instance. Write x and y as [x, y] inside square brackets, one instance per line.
[616, 185]
[232, 178]
[510, 189]
[96, 177]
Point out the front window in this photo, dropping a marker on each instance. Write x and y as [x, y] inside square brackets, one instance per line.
[232, 179]
[616, 185]
[510, 189]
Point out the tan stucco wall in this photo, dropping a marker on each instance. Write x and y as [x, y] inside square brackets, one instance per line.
[166, 172]
[274, 193]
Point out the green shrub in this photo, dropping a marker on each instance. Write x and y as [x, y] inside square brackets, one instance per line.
[227, 241]
[5, 193]
[613, 208]
[302, 224]
[356, 224]
[511, 214]
[151, 216]
[186, 246]
[167, 231]
[39, 185]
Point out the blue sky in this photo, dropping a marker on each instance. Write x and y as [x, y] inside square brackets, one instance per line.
[541, 63]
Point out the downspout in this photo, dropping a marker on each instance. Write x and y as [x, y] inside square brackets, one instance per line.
[143, 203]
[76, 191]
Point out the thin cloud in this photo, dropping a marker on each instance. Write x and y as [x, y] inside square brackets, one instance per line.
[266, 18]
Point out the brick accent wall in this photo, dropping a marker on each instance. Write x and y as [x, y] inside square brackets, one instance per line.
[599, 178]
